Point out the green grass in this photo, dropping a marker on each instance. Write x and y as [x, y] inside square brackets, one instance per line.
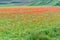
[29, 27]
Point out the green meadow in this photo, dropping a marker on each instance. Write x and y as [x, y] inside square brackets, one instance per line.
[45, 26]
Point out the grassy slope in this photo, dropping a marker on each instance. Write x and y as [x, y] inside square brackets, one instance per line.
[44, 2]
[27, 24]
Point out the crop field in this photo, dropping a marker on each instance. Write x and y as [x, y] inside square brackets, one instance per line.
[30, 2]
[30, 23]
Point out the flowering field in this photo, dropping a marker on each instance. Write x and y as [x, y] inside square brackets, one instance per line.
[30, 23]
